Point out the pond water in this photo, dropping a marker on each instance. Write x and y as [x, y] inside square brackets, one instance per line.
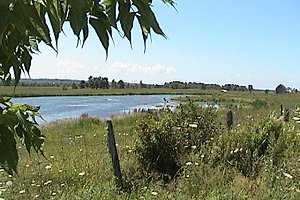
[59, 107]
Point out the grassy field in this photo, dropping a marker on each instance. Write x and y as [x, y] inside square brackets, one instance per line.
[78, 165]
[58, 91]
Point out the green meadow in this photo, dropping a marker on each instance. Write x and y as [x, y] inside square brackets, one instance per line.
[58, 91]
[257, 159]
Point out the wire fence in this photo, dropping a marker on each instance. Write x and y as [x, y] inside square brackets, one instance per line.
[67, 157]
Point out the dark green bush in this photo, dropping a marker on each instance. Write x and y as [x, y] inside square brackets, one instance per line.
[166, 136]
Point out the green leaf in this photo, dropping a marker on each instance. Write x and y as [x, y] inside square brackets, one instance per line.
[126, 19]
[53, 7]
[4, 99]
[85, 33]
[24, 107]
[145, 28]
[17, 69]
[35, 23]
[147, 19]
[78, 16]
[110, 8]
[26, 58]
[37, 140]
[101, 31]
[8, 150]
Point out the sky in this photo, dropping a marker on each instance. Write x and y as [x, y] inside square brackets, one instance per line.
[241, 42]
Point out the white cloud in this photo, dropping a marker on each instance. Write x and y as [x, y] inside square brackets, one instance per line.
[69, 66]
[119, 67]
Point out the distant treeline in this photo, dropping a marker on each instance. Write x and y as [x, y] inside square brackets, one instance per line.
[104, 83]
[203, 86]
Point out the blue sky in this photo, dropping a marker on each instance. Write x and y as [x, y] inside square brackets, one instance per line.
[230, 41]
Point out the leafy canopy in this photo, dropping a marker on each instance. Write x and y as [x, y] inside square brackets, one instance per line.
[17, 120]
[25, 24]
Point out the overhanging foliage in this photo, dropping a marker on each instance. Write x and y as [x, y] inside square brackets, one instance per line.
[17, 121]
[25, 24]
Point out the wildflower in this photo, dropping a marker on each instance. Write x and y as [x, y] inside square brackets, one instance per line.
[236, 150]
[193, 147]
[60, 170]
[36, 196]
[53, 193]
[193, 125]
[188, 163]
[196, 163]
[287, 175]
[22, 191]
[51, 156]
[202, 156]
[154, 193]
[47, 182]
[81, 174]
[48, 167]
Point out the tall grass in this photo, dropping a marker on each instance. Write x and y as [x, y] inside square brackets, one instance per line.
[78, 165]
[58, 91]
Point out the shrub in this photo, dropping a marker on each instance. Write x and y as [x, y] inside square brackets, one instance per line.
[165, 137]
[248, 147]
[258, 104]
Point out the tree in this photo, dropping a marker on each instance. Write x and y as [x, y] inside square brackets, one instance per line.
[113, 84]
[24, 25]
[82, 84]
[121, 84]
[74, 86]
[250, 88]
[141, 84]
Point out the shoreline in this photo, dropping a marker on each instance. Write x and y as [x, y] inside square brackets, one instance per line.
[57, 91]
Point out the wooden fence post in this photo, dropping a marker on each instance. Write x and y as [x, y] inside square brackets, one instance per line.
[114, 154]
[229, 116]
[286, 114]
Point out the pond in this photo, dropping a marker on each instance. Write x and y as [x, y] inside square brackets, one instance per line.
[59, 107]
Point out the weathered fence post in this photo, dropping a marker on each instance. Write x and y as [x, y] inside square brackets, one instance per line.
[281, 110]
[286, 114]
[229, 116]
[114, 154]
